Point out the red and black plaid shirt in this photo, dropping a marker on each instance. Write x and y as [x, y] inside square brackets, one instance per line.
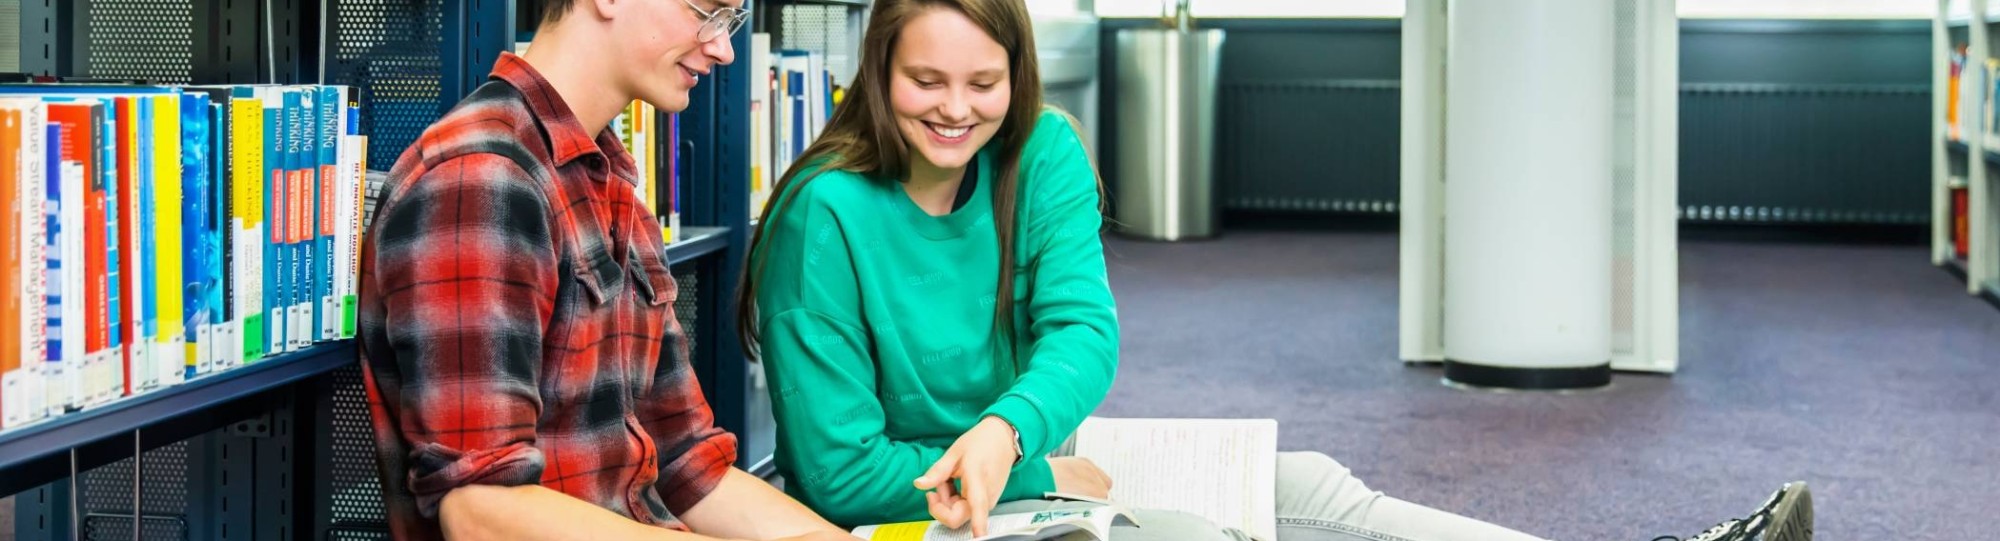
[514, 298]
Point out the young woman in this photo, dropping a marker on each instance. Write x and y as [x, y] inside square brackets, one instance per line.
[929, 295]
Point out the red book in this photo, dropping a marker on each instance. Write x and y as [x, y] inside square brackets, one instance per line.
[1961, 226]
[79, 144]
[128, 223]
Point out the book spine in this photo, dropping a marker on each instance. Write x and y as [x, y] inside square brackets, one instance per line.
[76, 307]
[145, 346]
[228, 351]
[248, 123]
[170, 356]
[274, 220]
[326, 311]
[197, 336]
[34, 258]
[13, 376]
[59, 272]
[131, 336]
[297, 213]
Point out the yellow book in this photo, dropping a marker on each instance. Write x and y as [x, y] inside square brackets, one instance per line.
[169, 353]
[246, 217]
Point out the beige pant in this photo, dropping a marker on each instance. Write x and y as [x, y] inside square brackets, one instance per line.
[1318, 500]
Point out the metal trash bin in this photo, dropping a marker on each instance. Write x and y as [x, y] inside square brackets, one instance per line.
[1167, 86]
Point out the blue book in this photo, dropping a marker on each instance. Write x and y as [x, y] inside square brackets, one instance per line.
[149, 294]
[797, 86]
[53, 264]
[298, 124]
[115, 331]
[197, 224]
[220, 298]
[306, 239]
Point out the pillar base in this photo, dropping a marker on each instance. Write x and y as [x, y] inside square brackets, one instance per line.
[1535, 379]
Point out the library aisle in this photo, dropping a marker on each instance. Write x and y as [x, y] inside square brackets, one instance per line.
[1844, 365]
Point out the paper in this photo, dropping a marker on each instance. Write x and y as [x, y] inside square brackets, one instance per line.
[1224, 470]
[1092, 523]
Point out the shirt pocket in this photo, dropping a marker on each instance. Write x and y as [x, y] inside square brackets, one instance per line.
[601, 277]
[650, 274]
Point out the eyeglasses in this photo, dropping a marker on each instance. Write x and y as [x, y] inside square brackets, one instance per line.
[721, 22]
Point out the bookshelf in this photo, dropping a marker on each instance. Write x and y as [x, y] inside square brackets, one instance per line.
[281, 448]
[1965, 233]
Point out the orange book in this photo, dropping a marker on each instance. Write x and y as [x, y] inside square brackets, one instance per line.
[12, 269]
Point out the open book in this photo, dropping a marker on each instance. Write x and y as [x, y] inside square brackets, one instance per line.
[1083, 524]
[1224, 470]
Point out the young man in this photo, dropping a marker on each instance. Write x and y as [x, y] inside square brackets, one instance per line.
[516, 300]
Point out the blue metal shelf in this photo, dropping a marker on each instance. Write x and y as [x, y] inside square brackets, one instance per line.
[195, 397]
[697, 242]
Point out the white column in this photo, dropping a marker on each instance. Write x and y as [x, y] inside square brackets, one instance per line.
[1528, 135]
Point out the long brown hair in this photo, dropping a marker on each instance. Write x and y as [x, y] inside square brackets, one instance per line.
[862, 138]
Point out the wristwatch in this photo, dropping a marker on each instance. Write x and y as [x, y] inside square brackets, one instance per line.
[1018, 453]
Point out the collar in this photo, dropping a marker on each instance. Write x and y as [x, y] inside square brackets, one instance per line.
[567, 140]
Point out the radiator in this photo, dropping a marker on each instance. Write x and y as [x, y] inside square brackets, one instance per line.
[1309, 145]
[1850, 154]
[1750, 153]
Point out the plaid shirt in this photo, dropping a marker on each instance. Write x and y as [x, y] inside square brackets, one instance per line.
[513, 305]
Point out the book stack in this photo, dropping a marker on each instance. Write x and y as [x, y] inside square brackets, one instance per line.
[158, 234]
[638, 128]
[792, 95]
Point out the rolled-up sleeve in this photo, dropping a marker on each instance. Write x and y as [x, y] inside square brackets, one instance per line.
[464, 272]
[694, 453]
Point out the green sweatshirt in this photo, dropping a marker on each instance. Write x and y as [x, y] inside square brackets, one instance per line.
[878, 333]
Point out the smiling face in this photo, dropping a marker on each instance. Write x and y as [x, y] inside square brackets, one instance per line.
[664, 56]
[949, 87]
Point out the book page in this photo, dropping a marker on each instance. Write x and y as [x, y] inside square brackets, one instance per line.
[1224, 470]
[1094, 522]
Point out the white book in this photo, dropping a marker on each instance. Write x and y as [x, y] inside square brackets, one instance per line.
[343, 221]
[1224, 470]
[1083, 524]
[274, 318]
[66, 382]
[817, 94]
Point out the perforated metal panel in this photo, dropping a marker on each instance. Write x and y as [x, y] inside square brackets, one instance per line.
[357, 511]
[685, 305]
[10, 44]
[389, 49]
[106, 497]
[830, 30]
[141, 39]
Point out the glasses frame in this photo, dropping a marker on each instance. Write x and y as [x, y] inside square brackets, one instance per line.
[724, 21]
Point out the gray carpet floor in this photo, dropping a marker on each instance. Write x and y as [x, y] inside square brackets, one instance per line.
[1860, 369]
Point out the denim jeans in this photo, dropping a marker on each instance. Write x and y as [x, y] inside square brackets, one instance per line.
[1318, 500]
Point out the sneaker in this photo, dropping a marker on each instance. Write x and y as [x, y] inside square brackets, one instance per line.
[1787, 516]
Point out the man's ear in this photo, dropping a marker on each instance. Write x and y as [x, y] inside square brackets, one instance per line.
[608, 9]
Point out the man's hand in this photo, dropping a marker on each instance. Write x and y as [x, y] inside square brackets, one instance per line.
[980, 460]
[1079, 476]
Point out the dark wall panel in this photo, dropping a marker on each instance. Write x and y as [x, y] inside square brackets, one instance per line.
[1782, 121]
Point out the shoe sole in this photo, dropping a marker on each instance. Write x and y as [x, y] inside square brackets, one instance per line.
[1792, 520]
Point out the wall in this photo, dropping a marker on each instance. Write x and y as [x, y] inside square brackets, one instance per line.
[1782, 121]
